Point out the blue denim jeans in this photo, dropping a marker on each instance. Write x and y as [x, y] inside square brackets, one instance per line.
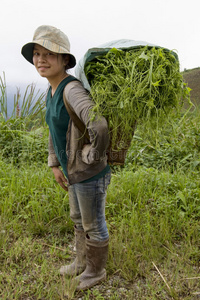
[87, 207]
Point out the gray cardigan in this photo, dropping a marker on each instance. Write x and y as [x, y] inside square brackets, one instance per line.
[82, 164]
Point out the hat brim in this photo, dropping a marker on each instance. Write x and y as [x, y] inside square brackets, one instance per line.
[27, 52]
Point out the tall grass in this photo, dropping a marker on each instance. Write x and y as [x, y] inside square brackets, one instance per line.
[174, 144]
[24, 132]
[19, 144]
[29, 107]
[152, 213]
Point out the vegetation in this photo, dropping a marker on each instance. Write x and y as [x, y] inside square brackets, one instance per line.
[30, 107]
[23, 132]
[132, 85]
[152, 212]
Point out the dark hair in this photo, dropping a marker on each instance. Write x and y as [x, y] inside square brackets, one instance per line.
[67, 66]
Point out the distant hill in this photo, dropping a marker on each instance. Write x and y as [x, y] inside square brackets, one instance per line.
[192, 78]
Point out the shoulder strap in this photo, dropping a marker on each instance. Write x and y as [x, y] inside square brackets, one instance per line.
[79, 124]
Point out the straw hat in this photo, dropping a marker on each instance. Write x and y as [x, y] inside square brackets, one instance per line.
[52, 39]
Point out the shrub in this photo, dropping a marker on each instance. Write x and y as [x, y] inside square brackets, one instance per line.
[18, 145]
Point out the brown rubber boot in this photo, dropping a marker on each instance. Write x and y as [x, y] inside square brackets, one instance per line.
[96, 258]
[79, 263]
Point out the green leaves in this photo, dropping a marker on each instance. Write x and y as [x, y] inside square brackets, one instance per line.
[144, 56]
[135, 85]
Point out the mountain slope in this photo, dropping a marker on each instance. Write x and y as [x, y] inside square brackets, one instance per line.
[192, 78]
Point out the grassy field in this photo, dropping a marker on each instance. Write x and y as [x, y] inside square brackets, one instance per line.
[152, 211]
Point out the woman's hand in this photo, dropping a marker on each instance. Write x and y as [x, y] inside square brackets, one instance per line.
[60, 178]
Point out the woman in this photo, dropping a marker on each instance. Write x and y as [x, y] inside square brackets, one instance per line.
[79, 164]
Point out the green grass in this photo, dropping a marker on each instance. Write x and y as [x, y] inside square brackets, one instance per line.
[152, 212]
[153, 219]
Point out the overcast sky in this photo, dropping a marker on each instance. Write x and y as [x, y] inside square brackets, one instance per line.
[173, 24]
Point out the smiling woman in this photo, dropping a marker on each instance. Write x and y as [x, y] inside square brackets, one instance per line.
[85, 173]
[51, 56]
[50, 65]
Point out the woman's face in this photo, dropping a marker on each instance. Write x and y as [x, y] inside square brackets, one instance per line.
[49, 64]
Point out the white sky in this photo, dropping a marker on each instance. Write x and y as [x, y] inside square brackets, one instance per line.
[174, 24]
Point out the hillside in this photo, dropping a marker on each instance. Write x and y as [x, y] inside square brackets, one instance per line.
[192, 78]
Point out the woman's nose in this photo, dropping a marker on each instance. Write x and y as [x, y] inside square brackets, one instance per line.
[42, 57]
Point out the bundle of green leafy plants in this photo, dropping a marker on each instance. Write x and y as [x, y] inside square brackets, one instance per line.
[134, 85]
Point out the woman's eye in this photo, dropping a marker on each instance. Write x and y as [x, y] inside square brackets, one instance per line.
[35, 53]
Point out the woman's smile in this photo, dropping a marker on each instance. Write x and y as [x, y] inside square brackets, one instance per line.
[42, 68]
[49, 64]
